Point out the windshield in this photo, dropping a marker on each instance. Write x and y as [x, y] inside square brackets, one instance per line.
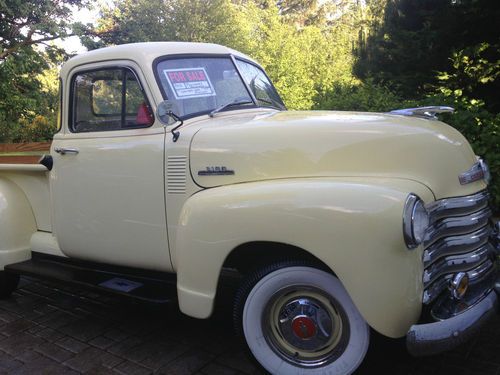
[261, 86]
[198, 85]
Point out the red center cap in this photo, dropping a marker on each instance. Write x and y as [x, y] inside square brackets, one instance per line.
[303, 327]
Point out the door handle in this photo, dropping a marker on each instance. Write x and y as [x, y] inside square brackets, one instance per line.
[64, 151]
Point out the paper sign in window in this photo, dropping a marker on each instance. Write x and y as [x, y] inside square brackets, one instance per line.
[189, 83]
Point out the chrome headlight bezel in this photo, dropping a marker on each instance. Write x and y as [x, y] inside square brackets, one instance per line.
[415, 221]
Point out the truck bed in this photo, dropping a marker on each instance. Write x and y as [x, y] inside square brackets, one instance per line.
[23, 153]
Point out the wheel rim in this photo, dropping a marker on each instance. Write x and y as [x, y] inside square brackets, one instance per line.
[305, 326]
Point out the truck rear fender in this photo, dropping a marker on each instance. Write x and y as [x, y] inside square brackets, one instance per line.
[17, 224]
[354, 226]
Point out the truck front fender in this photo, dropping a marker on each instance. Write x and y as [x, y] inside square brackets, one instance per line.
[352, 225]
[17, 224]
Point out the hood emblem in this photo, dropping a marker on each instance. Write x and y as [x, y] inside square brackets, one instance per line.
[477, 172]
[216, 171]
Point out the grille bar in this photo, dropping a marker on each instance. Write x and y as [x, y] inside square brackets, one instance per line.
[458, 206]
[457, 241]
[456, 245]
[457, 225]
[457, 263]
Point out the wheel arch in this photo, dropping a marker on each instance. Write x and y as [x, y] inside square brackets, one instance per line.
[254, 254]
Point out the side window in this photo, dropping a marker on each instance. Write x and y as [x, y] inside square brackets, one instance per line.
[108, 99]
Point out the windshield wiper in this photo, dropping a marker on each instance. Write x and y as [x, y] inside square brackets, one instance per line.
[230, 104]
[272, 102]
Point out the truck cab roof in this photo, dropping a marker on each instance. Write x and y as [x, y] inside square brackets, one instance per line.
[146, 53]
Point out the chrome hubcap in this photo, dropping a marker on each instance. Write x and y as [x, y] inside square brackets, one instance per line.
[305, 326]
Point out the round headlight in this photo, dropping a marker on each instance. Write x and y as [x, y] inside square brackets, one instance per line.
[415, 221]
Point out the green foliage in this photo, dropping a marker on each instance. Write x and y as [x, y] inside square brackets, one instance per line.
[475, 72]
[28, 74]
[24, 23]
[366, 96]
[410, 40]
[482, 130]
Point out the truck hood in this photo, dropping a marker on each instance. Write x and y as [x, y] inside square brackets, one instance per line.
[300, 144]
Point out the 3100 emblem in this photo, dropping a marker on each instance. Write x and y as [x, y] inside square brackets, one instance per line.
[216, 171]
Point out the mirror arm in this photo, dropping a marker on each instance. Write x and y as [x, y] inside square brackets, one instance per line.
[175, 133]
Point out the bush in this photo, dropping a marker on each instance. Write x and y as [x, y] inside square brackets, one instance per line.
[361, 97]
[39, 129]
[482, 130]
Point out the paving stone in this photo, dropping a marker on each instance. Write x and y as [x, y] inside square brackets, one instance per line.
[240, 361]
[123, 347]
[38, 364]
[7, 317]
[55, 352]
[91, 358]
[153, 354]
[131, 368]
[71, 330]
[8, 363]
[116, 334]
[56, 319]
[215, 369]
[16, 326]
[85, 329]
[17, 344]
[72, 345]
[49, 334]
[188, 363]
[101, 342]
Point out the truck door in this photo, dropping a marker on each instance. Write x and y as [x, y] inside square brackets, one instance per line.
[108, 177]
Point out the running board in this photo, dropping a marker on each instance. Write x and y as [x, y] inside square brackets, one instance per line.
[140, 284]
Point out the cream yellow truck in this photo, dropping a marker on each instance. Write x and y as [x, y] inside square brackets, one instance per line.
[177, 165]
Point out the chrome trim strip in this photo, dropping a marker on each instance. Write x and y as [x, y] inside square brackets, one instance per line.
[456, 245]
[457, 263]
[458, 206]
[457, 225]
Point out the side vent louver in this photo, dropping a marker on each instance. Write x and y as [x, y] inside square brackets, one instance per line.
[176, 174]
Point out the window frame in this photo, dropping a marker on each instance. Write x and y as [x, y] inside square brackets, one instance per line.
[229, 56]
[71, 104]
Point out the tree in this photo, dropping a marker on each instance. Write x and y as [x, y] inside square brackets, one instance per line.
[33, 22]
[129, 21]
[416, 39]
[26, 27]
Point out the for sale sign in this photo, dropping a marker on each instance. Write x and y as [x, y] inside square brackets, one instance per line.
[189, 83]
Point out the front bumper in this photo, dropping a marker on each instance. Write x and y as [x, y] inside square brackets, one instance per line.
[439, 336]
[436, 337]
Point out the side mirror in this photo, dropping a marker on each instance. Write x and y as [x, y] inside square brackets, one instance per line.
[165, 113]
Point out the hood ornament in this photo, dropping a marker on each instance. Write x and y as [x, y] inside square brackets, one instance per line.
[425, 112]
[478, 171]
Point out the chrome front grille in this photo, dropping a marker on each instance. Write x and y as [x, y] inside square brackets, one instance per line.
[457, 241]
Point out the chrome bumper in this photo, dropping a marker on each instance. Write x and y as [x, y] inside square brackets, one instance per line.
[433, 338]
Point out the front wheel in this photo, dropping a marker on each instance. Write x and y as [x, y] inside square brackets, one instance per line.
[299, 319]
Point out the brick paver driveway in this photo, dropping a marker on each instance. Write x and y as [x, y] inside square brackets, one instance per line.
[45, 329]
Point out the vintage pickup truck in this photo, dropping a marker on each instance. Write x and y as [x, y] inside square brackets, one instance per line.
[177, 166]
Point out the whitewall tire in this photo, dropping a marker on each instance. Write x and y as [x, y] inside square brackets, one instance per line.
[298, 319]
